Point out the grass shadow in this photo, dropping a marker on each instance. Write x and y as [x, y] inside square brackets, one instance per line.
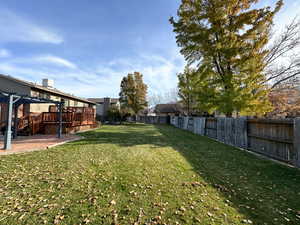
[258, 188]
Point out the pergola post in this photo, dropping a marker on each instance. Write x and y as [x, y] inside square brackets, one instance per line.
[60, 109]
[7, 138]
[15, 134]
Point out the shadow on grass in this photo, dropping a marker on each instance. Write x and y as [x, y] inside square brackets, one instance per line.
[130, 137]
[260, 189]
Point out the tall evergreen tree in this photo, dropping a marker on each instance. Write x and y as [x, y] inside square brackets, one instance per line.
[133, 93]
[227, 39]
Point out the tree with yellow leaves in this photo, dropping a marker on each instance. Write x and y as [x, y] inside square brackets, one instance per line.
[227, 40]
[133, 93]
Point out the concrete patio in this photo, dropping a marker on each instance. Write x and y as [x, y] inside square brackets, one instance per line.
[34, 143]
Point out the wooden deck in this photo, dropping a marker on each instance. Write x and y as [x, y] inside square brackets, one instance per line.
[47, 122]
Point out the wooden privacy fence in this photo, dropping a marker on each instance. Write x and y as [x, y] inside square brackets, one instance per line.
[151, 119]
[277, 139]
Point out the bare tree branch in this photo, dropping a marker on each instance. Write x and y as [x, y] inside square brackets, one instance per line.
[288, 40]
[282, 65]
[170, 96]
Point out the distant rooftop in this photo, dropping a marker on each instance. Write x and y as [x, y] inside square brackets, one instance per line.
[101, 100]
[169, 108]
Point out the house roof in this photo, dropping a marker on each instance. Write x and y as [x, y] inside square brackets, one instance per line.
[169, 108]
[23, 99]
[50, 90]
[101, 100]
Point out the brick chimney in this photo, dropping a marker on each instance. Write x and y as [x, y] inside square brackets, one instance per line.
[47, 83]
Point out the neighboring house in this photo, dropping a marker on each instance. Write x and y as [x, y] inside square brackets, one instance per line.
[46, 91]
[148, 112]
[104, 104]
[172, 109]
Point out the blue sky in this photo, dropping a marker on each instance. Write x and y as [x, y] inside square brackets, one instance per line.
[88, 46]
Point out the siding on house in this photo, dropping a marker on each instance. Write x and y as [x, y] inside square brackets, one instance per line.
[38, 108]
[14, 85]
[104, 104]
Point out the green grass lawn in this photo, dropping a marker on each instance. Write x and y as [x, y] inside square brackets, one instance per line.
[144, 174]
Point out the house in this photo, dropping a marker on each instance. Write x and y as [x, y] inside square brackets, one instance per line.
[104, 104]
[44, 91]
[148, 112]
[171, 109]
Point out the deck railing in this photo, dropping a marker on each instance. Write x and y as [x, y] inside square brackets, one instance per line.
[72, 117]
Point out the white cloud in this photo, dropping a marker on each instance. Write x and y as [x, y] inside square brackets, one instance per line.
[14, 28]
[4, 53]
[54, 60]
[159, 73]
[104, 80]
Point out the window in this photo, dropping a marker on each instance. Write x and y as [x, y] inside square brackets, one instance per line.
[44, 95]
[66, 102]
[47, 96]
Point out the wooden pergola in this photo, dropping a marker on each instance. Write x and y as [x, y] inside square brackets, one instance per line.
[13, 102]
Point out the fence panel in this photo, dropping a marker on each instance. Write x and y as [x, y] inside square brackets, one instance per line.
[296, 153]
[211, 128]
[150, 119]
[273, 138]
[199, 125]
[173, 120]
[163, 120]
[241, 133]
[180, 122]
[190, 124]
[230, 131]
[185, 122]
[221, 129]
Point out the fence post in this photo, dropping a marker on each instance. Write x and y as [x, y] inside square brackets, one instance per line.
[296, 156]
